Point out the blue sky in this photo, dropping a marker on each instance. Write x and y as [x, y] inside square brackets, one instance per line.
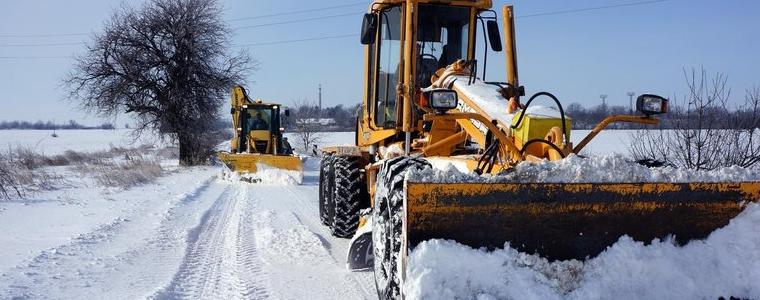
[576, 56]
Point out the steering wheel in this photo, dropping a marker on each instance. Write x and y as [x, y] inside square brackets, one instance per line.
[427, 55]
[424, 74]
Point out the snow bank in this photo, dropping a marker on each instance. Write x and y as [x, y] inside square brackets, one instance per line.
[726, 264]
[268, 175]
[600, 169]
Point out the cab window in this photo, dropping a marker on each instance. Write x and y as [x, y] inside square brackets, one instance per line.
[442, 39]
[388, 57]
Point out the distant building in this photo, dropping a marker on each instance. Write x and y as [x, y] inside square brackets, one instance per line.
[317, 121]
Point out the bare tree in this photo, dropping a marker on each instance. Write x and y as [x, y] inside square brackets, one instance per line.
[307, 127]
[705, 135]
[165, 63]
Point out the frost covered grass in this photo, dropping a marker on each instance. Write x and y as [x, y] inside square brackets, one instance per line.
[726, 264]
[600, 169]
[25, 171]
[18, 178]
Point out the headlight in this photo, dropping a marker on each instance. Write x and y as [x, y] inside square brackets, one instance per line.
[442, 99]
[651, 104]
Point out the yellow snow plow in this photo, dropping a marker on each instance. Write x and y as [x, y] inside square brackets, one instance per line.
[258, 142]
[439, 153]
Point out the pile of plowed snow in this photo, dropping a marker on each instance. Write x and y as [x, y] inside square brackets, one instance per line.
[601, 169]
[266, 174]
[726, 264]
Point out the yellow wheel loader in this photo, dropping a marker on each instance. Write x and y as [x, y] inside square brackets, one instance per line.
[258, 140]
[426, 102]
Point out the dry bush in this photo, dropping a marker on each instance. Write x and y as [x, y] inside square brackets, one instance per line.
[707, 136]
[126, 174]
[23, 171]
[9, 185]
[20, 177]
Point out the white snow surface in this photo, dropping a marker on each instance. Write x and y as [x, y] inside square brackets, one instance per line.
[266, 174]
[726, 264]
[489, 99]
[609, 168]
[192, 234]
[74, 140]
[197, 234]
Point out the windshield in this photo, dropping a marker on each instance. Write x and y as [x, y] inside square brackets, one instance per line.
[442, 39]
[257, 118]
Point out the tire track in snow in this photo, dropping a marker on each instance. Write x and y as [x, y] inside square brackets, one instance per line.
[98, 262]
[222, 261]
[301, 256]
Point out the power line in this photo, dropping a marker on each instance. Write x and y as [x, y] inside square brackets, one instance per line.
[42, 45]
[297, 21]
[299, 11]
[25, 35]
[298, 40]
[559, 12]
[33, 57]
[577, 10]
[41, 35]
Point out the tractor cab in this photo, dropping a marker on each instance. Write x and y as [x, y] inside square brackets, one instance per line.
[259, 126]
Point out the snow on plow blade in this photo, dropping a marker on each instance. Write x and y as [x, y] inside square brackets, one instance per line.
[247, 163]
[570, 220]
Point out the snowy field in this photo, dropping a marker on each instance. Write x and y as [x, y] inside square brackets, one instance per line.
[97, 140]
[196, 234]
[612, 141]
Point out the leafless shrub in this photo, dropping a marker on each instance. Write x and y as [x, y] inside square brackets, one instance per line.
[20, 177]
[706, 136]
[132, 172]
[9, 185]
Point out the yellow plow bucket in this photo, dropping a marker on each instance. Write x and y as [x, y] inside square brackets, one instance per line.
[569, 220]
[250, 162]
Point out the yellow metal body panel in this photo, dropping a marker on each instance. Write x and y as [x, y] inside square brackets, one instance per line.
[570, 220]
[246, 162]
[532, 127]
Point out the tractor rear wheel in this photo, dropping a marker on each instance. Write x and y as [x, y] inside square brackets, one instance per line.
[326, 184]
[349, 195]
[386, 227]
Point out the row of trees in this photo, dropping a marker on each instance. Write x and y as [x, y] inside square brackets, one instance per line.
[681, 114]
[342, 118]
[49, 125]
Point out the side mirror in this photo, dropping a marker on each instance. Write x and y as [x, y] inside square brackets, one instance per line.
[493, 35]
[287, 113]
[369, 29]
[651, 104]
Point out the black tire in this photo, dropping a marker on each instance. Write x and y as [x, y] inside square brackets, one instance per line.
[350, 195]
[386, 223]
[326, 184]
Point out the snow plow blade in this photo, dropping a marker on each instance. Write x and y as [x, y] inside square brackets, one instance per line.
[569, 220]
[249, 163]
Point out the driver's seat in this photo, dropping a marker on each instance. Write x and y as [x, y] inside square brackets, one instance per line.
[426, 67]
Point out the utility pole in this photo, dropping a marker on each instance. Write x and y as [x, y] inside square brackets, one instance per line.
[630, 102]
[320, 100]
[604, 99]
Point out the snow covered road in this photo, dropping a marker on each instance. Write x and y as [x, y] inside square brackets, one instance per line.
[191, 235]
